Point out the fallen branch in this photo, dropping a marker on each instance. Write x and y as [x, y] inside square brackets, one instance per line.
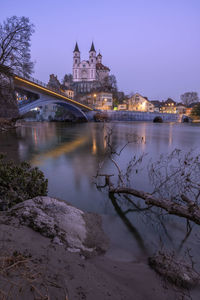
[170, 206]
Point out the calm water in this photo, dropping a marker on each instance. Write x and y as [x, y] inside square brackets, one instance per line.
[69, 155]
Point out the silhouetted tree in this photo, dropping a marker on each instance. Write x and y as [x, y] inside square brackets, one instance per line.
[109, 83]
[67, 80]
[196, 110]
[15, 34]
[189, 97]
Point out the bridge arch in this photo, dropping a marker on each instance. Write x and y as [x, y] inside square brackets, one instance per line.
[25, 107]
[157, 119]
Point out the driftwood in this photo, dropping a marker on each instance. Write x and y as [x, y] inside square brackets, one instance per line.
[190, 211]
[176, 271]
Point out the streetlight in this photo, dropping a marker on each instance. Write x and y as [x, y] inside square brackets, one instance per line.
[94, 99]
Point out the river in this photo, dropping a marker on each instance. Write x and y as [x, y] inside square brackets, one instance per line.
[69, 156]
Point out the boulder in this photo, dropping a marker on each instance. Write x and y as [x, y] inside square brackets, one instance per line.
[63, 223]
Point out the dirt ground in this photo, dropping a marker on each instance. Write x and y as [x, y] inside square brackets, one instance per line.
[32, 267]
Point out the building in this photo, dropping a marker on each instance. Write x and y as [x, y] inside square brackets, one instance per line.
[157, 105]
[122, 106]
[20, 97]
[169, 106]
[87, 73]
[180, 108]
[98, 100]
[140, 103]
[68, 92]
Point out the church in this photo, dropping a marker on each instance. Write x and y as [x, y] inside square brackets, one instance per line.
[87, 74]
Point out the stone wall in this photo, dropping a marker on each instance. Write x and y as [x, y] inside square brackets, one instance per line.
[141, 116]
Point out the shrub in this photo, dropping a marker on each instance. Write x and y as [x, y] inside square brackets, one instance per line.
[19, 183]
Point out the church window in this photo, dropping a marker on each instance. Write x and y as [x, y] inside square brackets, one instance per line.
[76, 74]
[91, 60]
[83, 66]
[75, 61]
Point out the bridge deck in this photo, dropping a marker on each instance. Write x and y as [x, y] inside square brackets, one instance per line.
[43, 88]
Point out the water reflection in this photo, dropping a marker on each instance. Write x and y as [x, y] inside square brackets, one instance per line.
[58, 151]
[69, 155]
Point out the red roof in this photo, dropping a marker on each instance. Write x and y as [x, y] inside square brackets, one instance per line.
[100, 66]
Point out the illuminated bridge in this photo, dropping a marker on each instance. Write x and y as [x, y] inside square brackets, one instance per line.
[40, 94]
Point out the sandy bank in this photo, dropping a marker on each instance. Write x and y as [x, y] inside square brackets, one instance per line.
[42, 267]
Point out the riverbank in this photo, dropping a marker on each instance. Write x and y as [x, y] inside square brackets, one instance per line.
[36, 262]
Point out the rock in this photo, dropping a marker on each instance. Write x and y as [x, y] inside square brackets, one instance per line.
[57, 241]
[63, 223]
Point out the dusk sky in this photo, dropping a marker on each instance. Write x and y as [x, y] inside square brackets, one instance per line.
[151, 46]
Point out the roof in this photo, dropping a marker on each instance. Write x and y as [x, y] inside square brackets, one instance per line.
[169, 101]
[76, 49]
[100, 66]
[92, 48]
[156, 103]
[180, 104]
[99, 54]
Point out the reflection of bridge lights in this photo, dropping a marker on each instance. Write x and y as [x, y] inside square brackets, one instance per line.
[94, 146]
[58, 151]
[35, 136]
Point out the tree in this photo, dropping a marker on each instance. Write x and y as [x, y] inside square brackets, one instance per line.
[68, 79]
[110, 83]
[15, 34]
[175, 190]
[189, 97]
[196, 110]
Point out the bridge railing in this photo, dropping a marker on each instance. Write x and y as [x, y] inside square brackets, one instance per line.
[34, 80]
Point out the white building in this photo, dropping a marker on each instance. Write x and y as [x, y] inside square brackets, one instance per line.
[87, 73]
[139, 103]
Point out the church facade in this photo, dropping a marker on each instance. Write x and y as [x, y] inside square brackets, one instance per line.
[87, 74]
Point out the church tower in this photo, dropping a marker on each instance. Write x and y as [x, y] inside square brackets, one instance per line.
[92, 62]
[76, 62]
[99, 58]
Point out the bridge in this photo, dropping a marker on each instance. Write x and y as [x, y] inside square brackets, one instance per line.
[41, 94]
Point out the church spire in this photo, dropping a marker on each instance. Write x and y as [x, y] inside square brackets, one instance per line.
[76, 49]
[92, 48]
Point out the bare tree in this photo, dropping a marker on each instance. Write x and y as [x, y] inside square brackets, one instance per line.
[189, 97]
[15, 34]
[174, 190]
[67, 80]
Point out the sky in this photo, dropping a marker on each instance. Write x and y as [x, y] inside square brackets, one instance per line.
[151, 46]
